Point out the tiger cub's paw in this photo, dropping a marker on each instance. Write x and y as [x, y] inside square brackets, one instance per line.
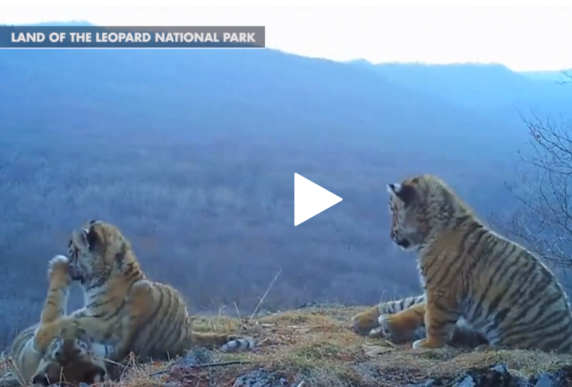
[58, 269]
[427, 344]
[364, 323]
[395, 328]
[384, 328]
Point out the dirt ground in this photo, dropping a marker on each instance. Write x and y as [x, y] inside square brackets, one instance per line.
[316, 347]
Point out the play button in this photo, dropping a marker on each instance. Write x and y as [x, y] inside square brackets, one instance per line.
[310, 199]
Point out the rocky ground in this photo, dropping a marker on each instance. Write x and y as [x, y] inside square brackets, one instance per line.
[314, 347]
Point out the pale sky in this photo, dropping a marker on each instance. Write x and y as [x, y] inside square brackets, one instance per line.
[522, 38]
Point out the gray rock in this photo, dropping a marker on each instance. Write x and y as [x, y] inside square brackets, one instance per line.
[195, 357]
[428, 383]
[261, 378]
[544, 381]
[555, 379]
[499, 376]
[500, 368]
[468, 381]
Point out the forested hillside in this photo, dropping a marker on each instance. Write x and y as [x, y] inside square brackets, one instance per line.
[192, 153]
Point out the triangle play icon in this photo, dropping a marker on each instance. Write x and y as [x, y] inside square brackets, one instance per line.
[310, 199]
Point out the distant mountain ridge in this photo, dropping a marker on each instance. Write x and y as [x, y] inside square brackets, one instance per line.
[481, 86]
[192, 153]
[349, 104]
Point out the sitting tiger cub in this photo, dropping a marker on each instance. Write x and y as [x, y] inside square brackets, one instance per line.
[471, 273]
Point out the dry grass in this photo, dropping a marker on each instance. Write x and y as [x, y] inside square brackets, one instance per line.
[317, 346]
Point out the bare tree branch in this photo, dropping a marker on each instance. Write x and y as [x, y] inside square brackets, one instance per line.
[542, 188]
[566, 77]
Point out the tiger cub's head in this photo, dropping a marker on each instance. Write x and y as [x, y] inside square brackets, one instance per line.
[99, 251]
[70, 359]
[421, 206]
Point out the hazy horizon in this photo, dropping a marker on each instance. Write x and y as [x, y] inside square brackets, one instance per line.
[482, 35]
[192, 152]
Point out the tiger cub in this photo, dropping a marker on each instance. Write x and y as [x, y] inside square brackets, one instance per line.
[498, 287]
[126, 310]
[30, 359]
[470, 275]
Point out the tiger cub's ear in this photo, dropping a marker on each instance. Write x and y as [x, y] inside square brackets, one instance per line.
[86, 238]
[79, 238]
[403, 192]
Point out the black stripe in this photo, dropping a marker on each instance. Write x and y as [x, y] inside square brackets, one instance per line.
[456, 264]
[524, 275]
[460, 220]
[475, 229]
[553, 339]
[151, 319]
[119, 310]
[543, 310]
[530, 294]
[531, 326]
[501, 270]
[101, 281]
[166, 309]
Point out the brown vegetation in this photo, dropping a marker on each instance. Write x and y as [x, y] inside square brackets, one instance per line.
[317, 347]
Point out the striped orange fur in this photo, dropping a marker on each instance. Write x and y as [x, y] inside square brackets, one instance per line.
[46, 352]
[469, 272]
[401, 321]
[125, 309]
